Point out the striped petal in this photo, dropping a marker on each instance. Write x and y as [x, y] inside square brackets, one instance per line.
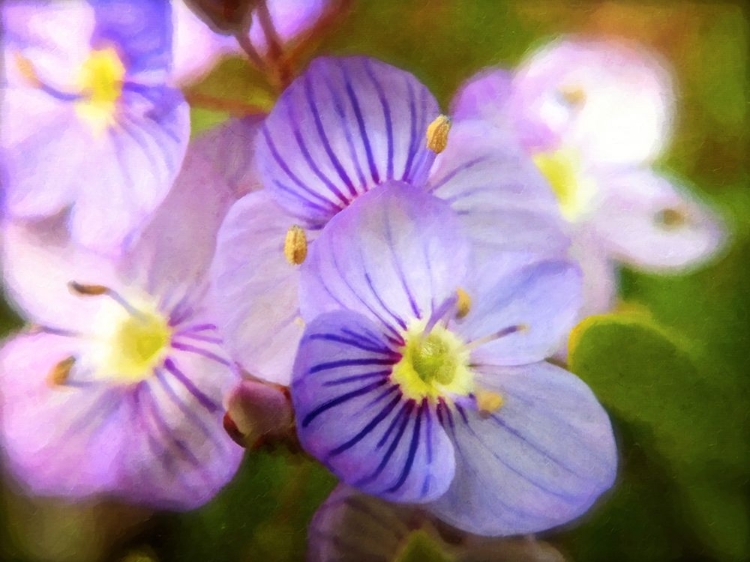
[524, 313]
[499, 193]
[60, 441]
[396, 254]
[540, 461]
[138, 161]
[356, 422]
[255, 288]
[343, 127]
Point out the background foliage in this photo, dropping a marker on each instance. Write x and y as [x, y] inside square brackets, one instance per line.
[672, 367]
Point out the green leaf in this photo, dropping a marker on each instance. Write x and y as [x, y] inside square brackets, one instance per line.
[649, 380]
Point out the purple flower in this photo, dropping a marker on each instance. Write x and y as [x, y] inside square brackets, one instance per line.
[420, 375]
[116, 388]
[595, 115]
[88, 124]
[345, 126]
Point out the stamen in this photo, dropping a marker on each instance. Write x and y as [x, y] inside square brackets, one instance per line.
[488, 402]
[437, 133]
[60, 373]
[497, 335]
[98, 290]
[671, 218]
[295, 245]
[573, 95]
[463, 304]
[444, 310]
[27, 70]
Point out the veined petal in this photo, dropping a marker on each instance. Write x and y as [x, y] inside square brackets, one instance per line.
[57, 440]
[141, 30]
[501, 196]
[647, 220]
[484, 96]
[230, 148]
[137, 160]
[343, 127]
[255, 288]
[611, 101]
[356, 422]
[396, 254]
[540, 461]
[178, 455]
[530, 310]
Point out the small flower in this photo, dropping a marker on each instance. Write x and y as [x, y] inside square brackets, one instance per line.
[344, 127]
[594, 116]
[403, 399]
[88, 123]
[116, 388]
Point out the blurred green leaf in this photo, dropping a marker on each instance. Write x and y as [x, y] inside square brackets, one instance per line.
[421, 547]
[641, 374]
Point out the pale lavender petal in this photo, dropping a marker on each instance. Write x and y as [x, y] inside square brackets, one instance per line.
[525, 313]
[484, 96]
[291, 19]
[540, 461]
[178, 455]
[230, 148]
[61, 441]
[611, 101]
[39, 261]
[343, 127]
[137, 161]
[353, 419]
[499, 193]
[396, 254]
[650, 221]
[599, 273]
[178, 243]
[255, 288]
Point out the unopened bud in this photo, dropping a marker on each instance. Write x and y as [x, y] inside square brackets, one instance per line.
[258, 411]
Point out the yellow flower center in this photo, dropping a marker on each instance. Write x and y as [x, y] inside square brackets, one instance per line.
[433, 364]
[129, 346]
[100, 83]
[562, 170]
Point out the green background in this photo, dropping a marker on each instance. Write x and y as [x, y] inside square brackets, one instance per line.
[672, 367]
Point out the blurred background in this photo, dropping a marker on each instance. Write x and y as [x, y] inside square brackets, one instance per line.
[675, 374]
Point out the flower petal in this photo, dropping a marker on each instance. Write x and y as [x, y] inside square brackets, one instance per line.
[540, 461]
[137, 161]
[396, 254]
[178, 455]
[38, 263]
[356, 422]
[230, 148]
[484, 96]
[290, 18]
[611, 101]
[256, 289]
[499, 193]
[62, 441]
[539, 304]
[649, 221]
[341, 128]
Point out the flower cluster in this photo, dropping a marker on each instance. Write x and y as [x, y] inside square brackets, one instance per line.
[397, 276]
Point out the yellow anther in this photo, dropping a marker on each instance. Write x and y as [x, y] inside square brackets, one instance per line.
[295, 245]
[671, 218]
[27, 70]
[463, 304]
[60, 373]
[488, 402]
[573, 95]
[437, 133]
[299, 322]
